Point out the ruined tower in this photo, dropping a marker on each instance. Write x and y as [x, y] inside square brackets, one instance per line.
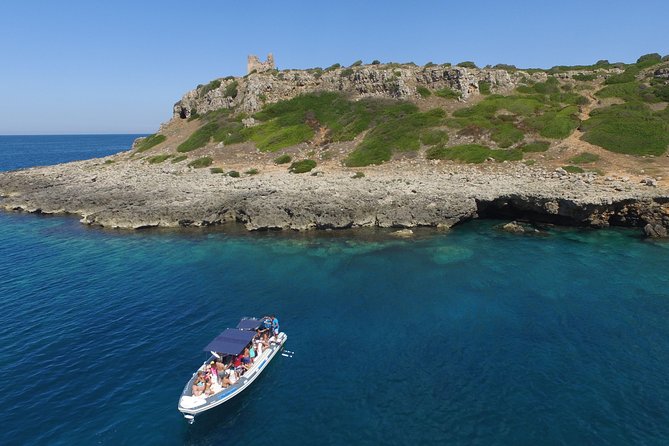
[253, 63]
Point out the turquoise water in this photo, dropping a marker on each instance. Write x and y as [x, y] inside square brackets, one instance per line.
[468, 337]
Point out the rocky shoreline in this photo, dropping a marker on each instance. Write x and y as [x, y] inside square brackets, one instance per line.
[132, 195]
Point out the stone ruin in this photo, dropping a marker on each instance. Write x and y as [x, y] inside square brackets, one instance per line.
[254, 64]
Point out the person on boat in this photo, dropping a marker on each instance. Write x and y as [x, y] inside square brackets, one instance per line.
[231, 375]
[246, 357]
[266, 325]
[200, 384]
[275, 326]
[252, 352]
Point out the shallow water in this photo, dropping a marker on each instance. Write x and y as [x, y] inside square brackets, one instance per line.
[467, 337]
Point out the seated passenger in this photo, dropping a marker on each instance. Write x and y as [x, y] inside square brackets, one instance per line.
[199, 385]
[231, 375]
[246, 357]
[220, 373]
[252, 352]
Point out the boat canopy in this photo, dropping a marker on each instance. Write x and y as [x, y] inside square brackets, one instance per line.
[249, 324]
[231, 342]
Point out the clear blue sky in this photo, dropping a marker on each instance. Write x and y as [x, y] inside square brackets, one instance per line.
[77, 66]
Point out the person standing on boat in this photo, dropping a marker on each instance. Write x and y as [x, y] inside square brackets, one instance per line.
[275, 327]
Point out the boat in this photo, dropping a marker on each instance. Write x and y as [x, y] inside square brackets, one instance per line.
[230, 343]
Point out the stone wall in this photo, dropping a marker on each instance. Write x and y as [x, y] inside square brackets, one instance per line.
[253, 63]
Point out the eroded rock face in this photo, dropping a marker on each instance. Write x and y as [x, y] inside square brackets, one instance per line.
[135, 195]
[384, 81]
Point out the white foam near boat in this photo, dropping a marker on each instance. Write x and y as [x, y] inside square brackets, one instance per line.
[232, 341]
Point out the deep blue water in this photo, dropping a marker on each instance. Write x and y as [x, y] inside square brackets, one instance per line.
[18, 151]
[468, 337]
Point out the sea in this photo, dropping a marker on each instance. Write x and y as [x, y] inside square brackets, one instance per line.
[468, 337]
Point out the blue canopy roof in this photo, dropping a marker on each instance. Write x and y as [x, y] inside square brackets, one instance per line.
[231, 342]
[249, 324]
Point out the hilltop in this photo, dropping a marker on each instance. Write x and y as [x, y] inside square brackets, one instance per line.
[386, 144]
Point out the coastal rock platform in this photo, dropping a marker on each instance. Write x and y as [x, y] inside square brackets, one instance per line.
[133, 195]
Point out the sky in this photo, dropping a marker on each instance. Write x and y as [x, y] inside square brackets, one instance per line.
[76, 66]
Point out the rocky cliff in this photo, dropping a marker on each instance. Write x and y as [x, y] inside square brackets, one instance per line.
[249, 93]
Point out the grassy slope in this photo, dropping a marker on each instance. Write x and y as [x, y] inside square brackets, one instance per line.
[498, 127]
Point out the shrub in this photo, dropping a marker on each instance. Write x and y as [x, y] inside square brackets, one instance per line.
[252, 171]
[484, 87]
[505, 135]
[213, 85]
[233, 174]
[333, 67]
[199, 138]
[358, 175]
[630, 128]
[158, 159]
[584, 77]
[433, 137]
[149, 142]
[109, 162]
[231, 89]
[447, 93]
[429, 64]
[283, 159]
[652, 58]
[346, 72]
[467, 64]
[376, 62]
[399, 131]
[216, 170]
[629, 75]
[535, 146]
[555, 123]
[178, 159]
[502, 66]
[357, 63]
[573, 169]
[472, 153]
[583, 158]
[201, 162]
[423, 91]
[302, 166]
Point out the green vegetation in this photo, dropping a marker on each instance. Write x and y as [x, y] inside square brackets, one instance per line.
[543, 108]
[201, 162]
[505, 67]
[149, 142]
[158, 159]
[333, 67]
[584, 77]
[283, 159]
[573, 169]
[630, 128]
[358, 175]
[432, 137]
[473, 153]
[467, 64]
[199, 138]
[252, 171]
[216, 170]
[535, 146]
[231, 89]
[484, 87]
[178, 159]
[447, 93]
[357, 63]
[193, 115]
[213, 85]
[233, 174]
[399, 129]
[423, 92]
[376, 62]
[583, 158]
[302, 166]
[346, 72]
